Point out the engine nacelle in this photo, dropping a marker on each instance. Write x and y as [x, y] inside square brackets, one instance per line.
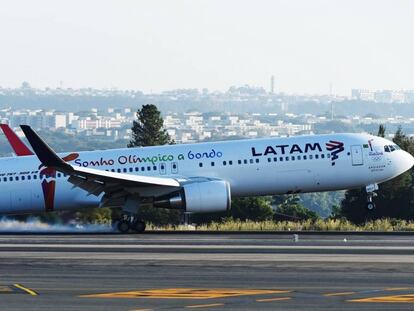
[199, 197]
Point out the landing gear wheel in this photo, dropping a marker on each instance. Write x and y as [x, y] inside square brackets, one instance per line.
[370, 206]
[123, 226]
[139, 226]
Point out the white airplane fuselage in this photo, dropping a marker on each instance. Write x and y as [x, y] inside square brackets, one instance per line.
[251, 168]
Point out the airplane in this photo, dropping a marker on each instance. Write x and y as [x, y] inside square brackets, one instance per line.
[201, 177]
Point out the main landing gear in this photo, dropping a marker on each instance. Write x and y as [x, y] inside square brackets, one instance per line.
[130, 223]
[370, 206]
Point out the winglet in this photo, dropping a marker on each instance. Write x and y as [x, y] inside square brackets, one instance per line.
[20, 149]
[45, 154]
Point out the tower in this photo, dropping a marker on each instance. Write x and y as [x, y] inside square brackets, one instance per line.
[272, 84]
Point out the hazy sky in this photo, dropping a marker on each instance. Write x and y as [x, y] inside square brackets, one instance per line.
[158, 45]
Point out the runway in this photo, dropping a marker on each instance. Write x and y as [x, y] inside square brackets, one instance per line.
[206, 271]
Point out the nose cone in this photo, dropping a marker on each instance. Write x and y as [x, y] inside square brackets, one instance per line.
[405, 162]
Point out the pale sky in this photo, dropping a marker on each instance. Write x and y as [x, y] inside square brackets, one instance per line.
[160, 45]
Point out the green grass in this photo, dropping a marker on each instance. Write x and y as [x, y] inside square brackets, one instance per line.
[388, 225]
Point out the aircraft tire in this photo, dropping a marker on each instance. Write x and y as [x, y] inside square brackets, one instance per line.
[370, 206]
[139, 227]
[123, 226]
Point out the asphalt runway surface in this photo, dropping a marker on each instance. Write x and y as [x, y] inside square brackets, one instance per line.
[206, 271]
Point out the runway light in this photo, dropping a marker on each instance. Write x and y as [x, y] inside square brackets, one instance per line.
[296, 237]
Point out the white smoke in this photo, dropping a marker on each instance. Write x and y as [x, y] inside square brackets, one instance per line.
[36, 226]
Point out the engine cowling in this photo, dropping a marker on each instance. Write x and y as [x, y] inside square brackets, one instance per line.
[199, 197]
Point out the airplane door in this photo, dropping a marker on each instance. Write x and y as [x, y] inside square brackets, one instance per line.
[21, 200]
[356, 155]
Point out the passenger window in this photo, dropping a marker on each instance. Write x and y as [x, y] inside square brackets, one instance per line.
[224, 163]
[322, 156]
[29, 177]
[239, 161]
[274, 159]
[287, 158]
[125, 170]
[245, 161]
[281, 159]
[269, 160]
[305, 157]
[148, 168]
[112, 170]
[328, 155]
[212, 163]
[23, 178]
[200, 164]
[131, 169]
[5, 179]
[316, 156]
[118, 170]
[292, 158]
[34, 176]
[230, 162]
[10, 178]
[17, 178]
[251, 161]
[142, 169]
[310, 157]
[257, 160]
[154, 167]
[137, 169]
[299, 157]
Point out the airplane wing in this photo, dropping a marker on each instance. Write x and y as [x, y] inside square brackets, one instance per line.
[92, 180]
[20, 149]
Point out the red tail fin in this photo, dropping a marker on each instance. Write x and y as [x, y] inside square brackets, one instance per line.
[18, 146]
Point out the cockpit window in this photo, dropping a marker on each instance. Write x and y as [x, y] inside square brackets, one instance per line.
[392, 148]
[397, 147]
[387, 149]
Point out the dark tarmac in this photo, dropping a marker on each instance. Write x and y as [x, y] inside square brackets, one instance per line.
[206, 271]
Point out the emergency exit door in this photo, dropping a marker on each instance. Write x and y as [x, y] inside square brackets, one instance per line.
[356, 154]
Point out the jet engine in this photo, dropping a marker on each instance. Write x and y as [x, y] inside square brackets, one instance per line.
[198, 197]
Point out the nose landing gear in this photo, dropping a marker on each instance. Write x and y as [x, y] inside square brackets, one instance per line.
[370, 206]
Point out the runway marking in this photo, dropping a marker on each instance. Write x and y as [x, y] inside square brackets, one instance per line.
[338, 294]
[409, 298]
[25, 289]
[273, 299]
[206, 306]
[5, 290]
[397, 288]
[141, 310]
[188, 293]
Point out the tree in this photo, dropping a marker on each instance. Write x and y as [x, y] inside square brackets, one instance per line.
[148, 129]
[252, 208]
[381, 130]
[288, 207]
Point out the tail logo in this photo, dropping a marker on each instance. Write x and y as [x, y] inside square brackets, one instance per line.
[48, 177]
[335, 147]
